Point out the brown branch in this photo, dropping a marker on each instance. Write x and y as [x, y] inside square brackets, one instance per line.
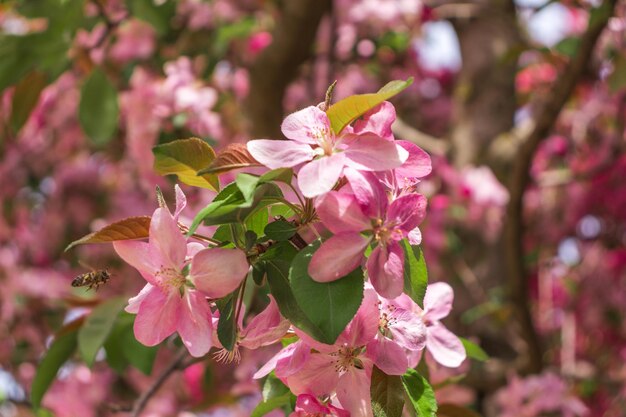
[278, 64]
[425, 141]
[175, 365]
[520, 179]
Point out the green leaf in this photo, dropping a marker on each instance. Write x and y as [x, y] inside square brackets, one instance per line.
[123, 349]
[257, 221]
[247, 185]
[25, 98]
[420, 393]
[266, 406]
[97, 327]
[280, 230]
[279, 174]
[60, 351]
[157, 14]
[226, 327]
[568, 46]
[98, 110]
[233, 207]
[474, 351]
[344, 112]
[277, 261]
[184, 158]
[386, 392]
[328, 305]
[415, 272]
[273, 387]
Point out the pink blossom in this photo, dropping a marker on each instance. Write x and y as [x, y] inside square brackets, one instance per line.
[368, 212]
[445, 347]
[135, 40]
[167, 304]
[309, 406]
[323, 155]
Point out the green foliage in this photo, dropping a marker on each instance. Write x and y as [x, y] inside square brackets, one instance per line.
[386, 392]
[157, 14]
[226, 326]
[98, 111]
[617, 79]
[97, 327]
[184, 158]
[277, 261]
[280, 230]
[474, 351]
[415, 272]
[266, 406]
[25, 98]
[331, 305]
[122, 349]
[344, 112]
[61, 349]
[420, 393]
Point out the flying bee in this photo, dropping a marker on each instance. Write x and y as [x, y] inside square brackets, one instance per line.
[93, 279]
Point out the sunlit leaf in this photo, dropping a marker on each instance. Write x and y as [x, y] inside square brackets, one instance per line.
[345, 111]
[184, 158]
[415, 272]
[266, 407]
[474, 351]
[233, 156]
[126, 229]
[98, 110]
[386, 392]
[420, 393]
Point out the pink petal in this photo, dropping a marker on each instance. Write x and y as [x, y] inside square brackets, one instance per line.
[337, 256]
[181, 201]
[388, 356]
[438, 301]
[195, 326]
[218, 271]
[407, 212]
[293, 363]
[353, 391]
[368, 191]
[193, 248]
[271, 364]
[372, 153]
[139, 256]
[320, 175]
[135, 302]
[415, 236]
[318, 376]
[341, 212]
[407, 329]
[157, 317]
[166, 239]
[280, 153]
[377, 121]
[445, 347]
[364, 326]
[310, 404]
[385, 268]
[307, 125]
[265, 328]
[417, 165]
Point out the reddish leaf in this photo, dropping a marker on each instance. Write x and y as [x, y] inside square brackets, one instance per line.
[234, 156]
[127, 229]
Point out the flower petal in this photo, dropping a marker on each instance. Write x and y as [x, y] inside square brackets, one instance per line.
[362, 329]
[417, 165]
[307, 125]
[372, 153]
[388, 356]
[181, 201]
[280, 153]
[139, 256]
[317, 376]
[407, 329]
[353, 391]
[217, 271]
[157, 317]
[438, 301]
[385, 268]
[377, 121]
[195, 324]
[265, 328]
[415, 236]
[407, 212]
[166, 239]
[445, 347]
[337, 256]
[341, 212]
[135, 302]
[320, 175]
[368, 191]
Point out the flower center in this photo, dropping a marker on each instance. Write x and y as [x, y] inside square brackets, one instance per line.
[347, 357]
[386, 320]
[384, 233]
[170, 278]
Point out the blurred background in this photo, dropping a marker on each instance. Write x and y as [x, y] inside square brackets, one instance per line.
[521, 105]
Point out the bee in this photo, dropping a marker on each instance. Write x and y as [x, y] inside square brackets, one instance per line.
[93, 279]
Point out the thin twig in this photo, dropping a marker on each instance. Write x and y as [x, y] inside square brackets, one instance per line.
[175, 365]
[520, 178]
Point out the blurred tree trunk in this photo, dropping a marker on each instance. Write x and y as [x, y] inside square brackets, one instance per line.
[278, 64]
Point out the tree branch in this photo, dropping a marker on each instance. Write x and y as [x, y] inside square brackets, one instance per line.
[520, 178]
[278, 64]
[425, 141]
